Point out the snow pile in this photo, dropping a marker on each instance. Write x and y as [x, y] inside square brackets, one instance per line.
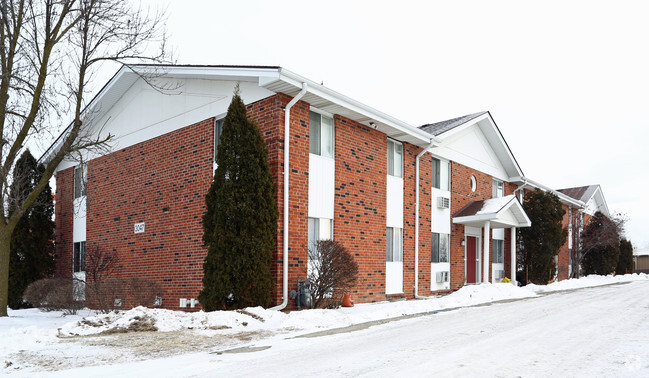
[588, 281]
[258, 319]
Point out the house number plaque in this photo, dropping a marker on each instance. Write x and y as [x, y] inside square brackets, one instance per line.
[138, 228]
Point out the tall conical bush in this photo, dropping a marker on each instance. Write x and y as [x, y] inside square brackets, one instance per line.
[240, 223]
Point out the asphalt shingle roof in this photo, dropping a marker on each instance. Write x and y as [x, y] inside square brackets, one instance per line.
[444, 126]
[581, 193]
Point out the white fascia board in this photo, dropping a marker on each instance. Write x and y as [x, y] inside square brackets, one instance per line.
[600, 195]
[252, 74]
[462, 127]
[493, 132]
[562, 197]
[342, 100]
[518, 212]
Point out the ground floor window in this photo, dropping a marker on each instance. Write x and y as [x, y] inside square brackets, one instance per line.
[499, 251]
[439, 247]
[320, 229]
[79, 257]
[394, 242]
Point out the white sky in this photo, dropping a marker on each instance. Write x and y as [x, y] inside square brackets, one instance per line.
[566, 82]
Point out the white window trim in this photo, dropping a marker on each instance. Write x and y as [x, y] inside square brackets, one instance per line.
[333, 132]
[400, 249]
[387, 157]
[83, 167]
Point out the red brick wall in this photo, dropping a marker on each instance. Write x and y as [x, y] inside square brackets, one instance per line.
[360, 203]
[64, 222]
[269, 115]
[564, 252]
[161, 182]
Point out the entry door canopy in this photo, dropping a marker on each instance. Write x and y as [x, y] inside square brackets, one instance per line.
[503, 212]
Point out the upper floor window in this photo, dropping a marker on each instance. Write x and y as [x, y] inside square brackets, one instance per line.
[498, 189]
[80, 181]
[395, 158]
[218, 130]
[394, 244]
[441, 175]
[321, 135]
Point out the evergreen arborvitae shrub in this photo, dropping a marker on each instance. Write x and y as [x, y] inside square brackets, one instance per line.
[625, 261]
[601, 245]
[32, 247]
[240, 222]
[541, 242]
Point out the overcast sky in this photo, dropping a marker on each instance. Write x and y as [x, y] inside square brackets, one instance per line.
[565, 81]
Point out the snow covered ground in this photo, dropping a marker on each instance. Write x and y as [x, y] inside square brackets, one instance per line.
[552, 330]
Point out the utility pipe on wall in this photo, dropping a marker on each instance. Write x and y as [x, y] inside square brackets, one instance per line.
[432, 143]
[287, 144]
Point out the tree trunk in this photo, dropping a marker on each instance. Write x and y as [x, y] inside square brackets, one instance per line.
[5, 252]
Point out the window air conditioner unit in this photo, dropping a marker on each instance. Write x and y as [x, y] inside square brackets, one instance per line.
[442, 276]
[443, 203]
[500, 274]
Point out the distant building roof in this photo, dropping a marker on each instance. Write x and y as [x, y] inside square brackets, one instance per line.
[582, 193]
[444, 126]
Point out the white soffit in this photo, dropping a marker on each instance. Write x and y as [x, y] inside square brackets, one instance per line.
[333, 102]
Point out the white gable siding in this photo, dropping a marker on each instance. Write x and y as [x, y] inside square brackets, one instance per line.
[471, 148]
[143, 112]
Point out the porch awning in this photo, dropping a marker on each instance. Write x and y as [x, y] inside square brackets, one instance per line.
[503, 212]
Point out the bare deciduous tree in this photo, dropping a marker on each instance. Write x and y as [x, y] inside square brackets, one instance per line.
[49, 53]
[331, 272]
[600, 233]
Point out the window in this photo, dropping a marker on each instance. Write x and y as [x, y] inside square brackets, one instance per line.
[321, 135]
[320, 229]
[439, 247]
[79, 257]
[441, 174]
[218, 130]
[498, 189]
[499, 251]
[436, 173]
[394, 244]
[395, 158]
[80, 181]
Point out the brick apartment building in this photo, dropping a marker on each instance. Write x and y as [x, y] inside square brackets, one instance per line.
[424, 210]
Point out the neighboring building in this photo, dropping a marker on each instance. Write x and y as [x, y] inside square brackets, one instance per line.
[424, 210]
[587, 201]
[641, 261]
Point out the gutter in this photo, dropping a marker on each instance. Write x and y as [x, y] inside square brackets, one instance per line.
[433, 143]
[563, 197]
[287, 145]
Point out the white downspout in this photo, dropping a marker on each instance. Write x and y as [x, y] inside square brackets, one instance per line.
[432, 143]
[287, 145]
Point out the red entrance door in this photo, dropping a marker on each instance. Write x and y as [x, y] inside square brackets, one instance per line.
[471, 250]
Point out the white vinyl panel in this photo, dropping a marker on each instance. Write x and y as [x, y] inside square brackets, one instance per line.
[394, 208]
[393, 277]
[79, 220]
[498, 234]
[321, 186]
[439, 267]
[441, 218]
